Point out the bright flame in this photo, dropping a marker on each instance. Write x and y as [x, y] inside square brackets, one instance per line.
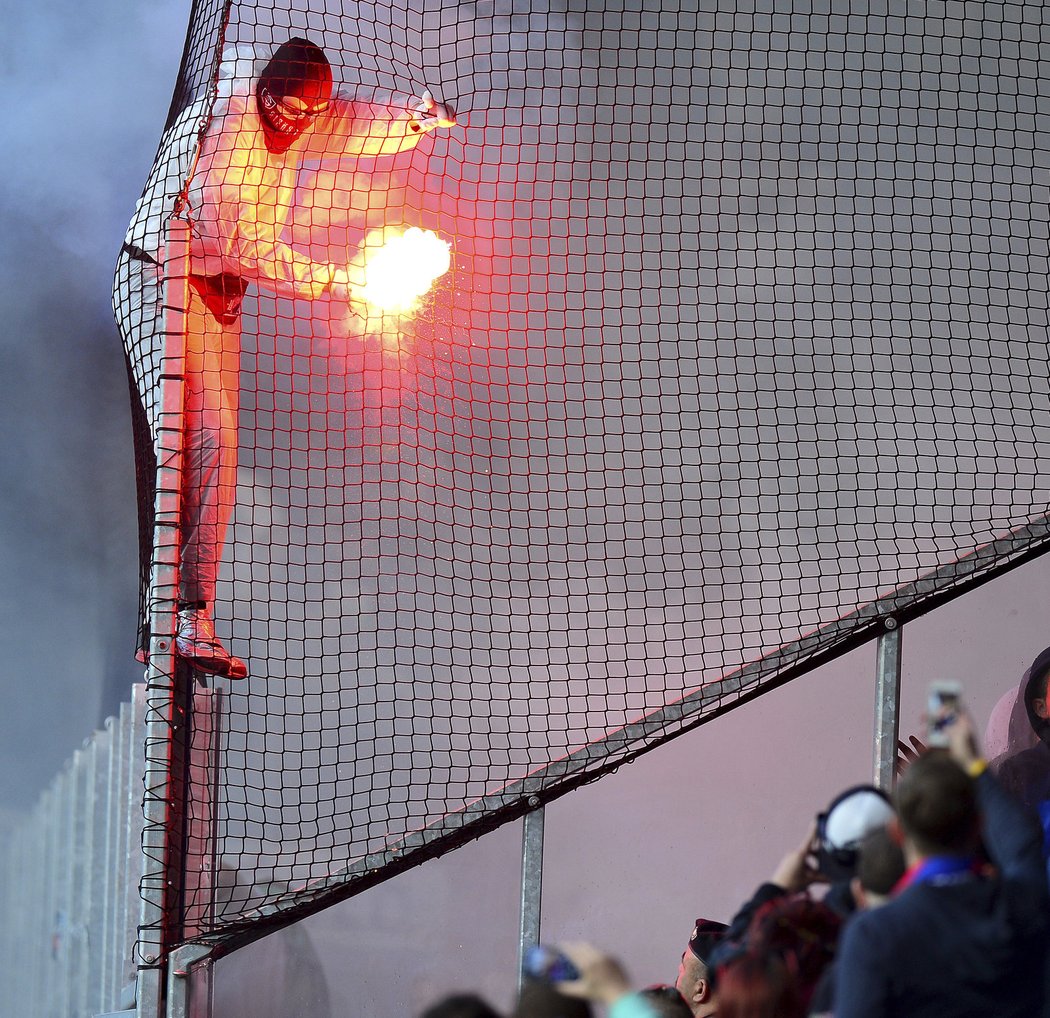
[404, 268]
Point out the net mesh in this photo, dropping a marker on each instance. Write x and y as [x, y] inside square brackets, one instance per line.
[744, 329]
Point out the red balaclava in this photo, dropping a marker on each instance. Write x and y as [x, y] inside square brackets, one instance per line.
[299, 70]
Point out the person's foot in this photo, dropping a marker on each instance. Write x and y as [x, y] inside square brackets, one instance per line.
[196, 642]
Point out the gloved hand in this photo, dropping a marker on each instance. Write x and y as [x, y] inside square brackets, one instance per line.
[430, 114]
[344, 291]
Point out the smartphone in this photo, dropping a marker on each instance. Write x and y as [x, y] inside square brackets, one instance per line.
[549, 964]
[943, 693]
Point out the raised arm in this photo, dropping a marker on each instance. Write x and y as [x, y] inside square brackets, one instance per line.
[1012, 837]
[353, 127]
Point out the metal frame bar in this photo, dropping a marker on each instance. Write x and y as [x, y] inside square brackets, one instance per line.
[184, 964]
[887, 703]
[531, 885]
[202, 793]
[160, 781]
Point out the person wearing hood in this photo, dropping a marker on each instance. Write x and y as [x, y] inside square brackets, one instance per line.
[229, 170]
[1026, 775]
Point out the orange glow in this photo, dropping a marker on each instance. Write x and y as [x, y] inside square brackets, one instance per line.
[402, 269]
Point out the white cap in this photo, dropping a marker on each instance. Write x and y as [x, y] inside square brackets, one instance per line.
[855, 814]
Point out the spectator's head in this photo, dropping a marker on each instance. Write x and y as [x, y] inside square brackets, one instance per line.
[666, 1002]
[460, 1005]
[802, 932]
[1036, 701]
[843, 825]
[879, 868]
[937, 807]
[758, 984]
[694, 982]
[293, 88]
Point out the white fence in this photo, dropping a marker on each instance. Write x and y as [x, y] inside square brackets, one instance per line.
[69, 888]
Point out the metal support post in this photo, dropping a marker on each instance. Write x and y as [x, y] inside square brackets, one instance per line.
[887, 703]
[202, 793]
[189, 982]
[162, 810]
[531, 884]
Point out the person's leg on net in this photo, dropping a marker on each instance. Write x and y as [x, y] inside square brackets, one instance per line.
[209, 483]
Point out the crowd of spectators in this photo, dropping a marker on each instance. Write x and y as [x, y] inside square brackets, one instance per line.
[930, 903]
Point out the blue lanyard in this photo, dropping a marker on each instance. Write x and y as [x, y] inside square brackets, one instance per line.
[937, 869]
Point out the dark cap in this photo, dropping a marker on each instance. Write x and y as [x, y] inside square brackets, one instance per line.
[299, 68]
[706, 936]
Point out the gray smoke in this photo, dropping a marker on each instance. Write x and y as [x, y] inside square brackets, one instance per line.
[86, 90]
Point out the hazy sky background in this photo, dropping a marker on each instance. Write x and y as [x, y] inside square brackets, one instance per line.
[86, 90]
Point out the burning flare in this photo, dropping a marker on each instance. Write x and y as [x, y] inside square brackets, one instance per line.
[403, 268]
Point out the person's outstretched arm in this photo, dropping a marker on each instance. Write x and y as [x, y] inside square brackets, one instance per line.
[352, 128]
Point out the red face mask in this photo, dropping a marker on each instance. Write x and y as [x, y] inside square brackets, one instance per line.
[294, 88]
[288, 115]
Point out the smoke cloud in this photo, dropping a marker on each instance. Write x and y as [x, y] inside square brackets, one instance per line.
[86, 91]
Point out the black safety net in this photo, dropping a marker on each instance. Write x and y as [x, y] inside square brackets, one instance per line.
[704, 339]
